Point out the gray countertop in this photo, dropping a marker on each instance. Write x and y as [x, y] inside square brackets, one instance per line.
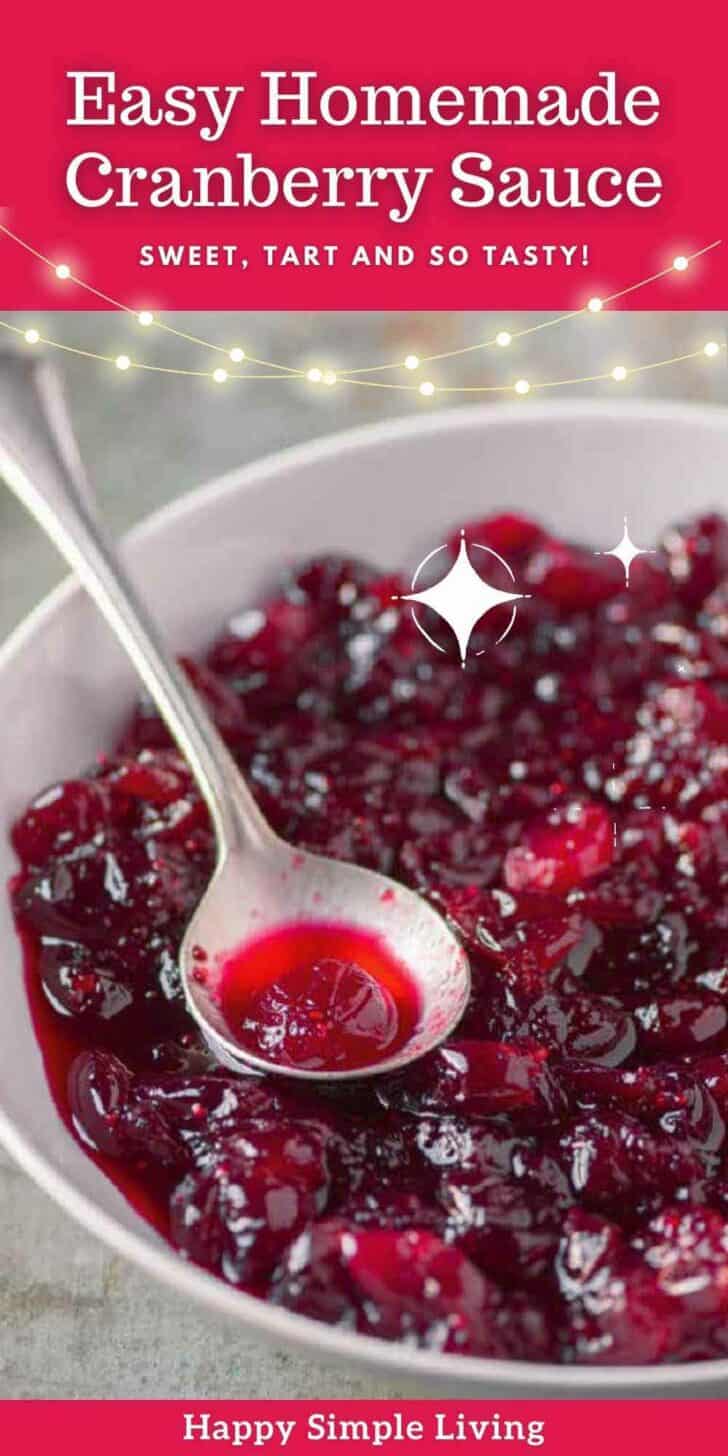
[75, 1321]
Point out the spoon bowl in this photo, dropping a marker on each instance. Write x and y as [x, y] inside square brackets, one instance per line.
[260, 884]
[250, 895]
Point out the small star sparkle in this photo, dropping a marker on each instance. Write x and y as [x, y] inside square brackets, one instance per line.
[626, 552]
[462, 597]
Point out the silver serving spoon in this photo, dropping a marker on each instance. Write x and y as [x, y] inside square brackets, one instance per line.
[260, 883]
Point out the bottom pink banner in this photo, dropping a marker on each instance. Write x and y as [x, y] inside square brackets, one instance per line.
[171, 1428]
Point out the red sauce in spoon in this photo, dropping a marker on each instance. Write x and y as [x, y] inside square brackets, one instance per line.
[320, 997]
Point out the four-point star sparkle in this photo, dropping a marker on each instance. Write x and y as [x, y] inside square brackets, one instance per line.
[462, 597]
[626, 552]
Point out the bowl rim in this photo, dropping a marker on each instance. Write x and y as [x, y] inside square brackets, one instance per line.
[281, 1326]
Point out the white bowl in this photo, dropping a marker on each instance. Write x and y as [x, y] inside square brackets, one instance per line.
[389, 492]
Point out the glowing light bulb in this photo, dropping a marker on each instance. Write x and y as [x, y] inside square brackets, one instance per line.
[145, 318]
[329, 377]
[427, 388]
[595, 305]
[123, 362]
[63, 271]
[619, 373]
[32, 336]
[503, 338]
[412, 362]
[680, 263]
[237, 355]
[314, 376]
[522, 386]
[220, 375]
[711, 349]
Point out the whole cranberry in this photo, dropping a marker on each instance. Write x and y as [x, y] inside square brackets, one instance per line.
[670, 1026]
[473, 1077]
[399, 1285]
[61, 819]
[692, 710]
[81, 983]
[511, 535]
[505, 1228]
[616, 1165]
[572, 578]
[614, 1310]
[595, 1028]
[238, 1217]
[697, 556]
[423, 1288]
[669, 1098]
[686, 1250]
[558, 853]
[111, 1119]
[263, 640]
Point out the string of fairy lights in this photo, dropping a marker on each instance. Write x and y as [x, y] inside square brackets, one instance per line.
[360, 376]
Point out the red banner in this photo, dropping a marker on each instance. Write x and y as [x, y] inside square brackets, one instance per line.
[308, 156]
[173, 1428]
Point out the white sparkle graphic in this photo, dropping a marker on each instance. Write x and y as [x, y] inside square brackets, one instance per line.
[626, 552]
[462, 597]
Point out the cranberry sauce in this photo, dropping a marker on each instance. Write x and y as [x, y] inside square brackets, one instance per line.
[318, 997]
[552, 1183]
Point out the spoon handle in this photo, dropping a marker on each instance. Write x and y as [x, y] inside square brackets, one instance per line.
[40, 462]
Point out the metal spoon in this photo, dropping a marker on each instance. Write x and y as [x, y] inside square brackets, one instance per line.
[260, 883]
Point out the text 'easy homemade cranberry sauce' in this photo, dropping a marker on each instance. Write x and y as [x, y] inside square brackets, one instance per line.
[552, 1184]
[318, 997]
